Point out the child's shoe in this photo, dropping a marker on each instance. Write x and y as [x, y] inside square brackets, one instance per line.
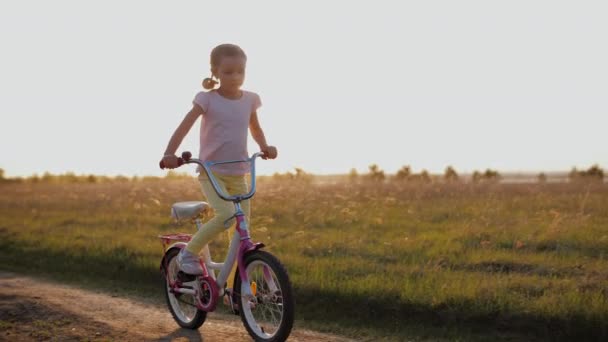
[189, 263]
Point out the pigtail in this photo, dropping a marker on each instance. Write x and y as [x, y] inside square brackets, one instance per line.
[209, 83]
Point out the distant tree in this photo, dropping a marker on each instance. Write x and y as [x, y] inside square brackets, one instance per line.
[404, 173]
[491, 175]
[375, 173]
[69, 177]
[1, 175]
[422, 177]
[542, 178]
[48, 177]
[450, 174]
[476, 177]
[594, 173]
[425, 176]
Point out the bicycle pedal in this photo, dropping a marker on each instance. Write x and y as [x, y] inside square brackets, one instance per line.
[185, 277]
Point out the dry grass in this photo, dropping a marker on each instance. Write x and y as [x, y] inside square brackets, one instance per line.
[424, 260]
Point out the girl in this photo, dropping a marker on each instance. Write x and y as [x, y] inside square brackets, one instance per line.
[226, 114]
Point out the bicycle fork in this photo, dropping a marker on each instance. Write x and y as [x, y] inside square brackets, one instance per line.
[245, 246]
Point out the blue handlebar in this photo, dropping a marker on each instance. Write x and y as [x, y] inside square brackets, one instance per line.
[234, 198]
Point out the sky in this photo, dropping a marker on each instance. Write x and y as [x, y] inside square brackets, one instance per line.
[98, 87]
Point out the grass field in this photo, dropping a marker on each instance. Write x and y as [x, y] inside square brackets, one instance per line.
[456, 261]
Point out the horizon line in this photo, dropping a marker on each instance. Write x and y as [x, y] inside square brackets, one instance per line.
[507, 172]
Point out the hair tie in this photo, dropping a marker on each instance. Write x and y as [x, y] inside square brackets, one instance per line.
[209, 83]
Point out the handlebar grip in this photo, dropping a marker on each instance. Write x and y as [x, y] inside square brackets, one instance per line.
[180, 162]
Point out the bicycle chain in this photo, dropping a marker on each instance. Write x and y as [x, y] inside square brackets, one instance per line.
[182, 301]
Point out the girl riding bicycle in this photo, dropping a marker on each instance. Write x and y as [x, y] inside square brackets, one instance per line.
[226, 114]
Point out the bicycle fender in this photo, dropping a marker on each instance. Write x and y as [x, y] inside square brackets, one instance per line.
[254, 247]
[177, 245]
[245, 249]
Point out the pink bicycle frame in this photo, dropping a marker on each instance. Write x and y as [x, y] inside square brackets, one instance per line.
[245, 244]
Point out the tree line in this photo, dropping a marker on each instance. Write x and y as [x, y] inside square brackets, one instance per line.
[405, 174]
[374, 174]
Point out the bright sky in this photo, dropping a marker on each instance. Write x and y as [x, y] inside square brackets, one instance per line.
[99, 87]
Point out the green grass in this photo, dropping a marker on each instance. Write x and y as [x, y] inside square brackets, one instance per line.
[415, 261]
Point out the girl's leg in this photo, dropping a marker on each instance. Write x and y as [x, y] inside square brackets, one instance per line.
[222, 211]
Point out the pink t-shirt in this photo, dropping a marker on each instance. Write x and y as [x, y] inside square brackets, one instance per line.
[224, 129]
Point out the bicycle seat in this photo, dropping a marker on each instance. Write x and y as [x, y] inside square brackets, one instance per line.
[188, 210]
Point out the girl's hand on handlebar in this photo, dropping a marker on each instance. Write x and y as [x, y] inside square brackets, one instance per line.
[270, 152]
[169, 161]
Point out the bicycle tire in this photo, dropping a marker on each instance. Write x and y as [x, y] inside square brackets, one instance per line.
[282, 302]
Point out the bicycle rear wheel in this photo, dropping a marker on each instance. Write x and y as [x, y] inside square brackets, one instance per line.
[182, 306]
[269, 315]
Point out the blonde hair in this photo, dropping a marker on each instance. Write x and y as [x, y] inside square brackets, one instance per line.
[219, 52]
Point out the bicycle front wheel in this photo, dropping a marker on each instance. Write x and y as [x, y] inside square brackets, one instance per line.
[269, 315]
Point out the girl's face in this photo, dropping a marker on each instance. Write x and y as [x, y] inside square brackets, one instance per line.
[231, 73]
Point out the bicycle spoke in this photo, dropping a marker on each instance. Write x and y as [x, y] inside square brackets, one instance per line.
[179, 299]
[275, 309]
[270, 283]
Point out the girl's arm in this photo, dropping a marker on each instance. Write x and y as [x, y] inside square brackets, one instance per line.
[169, 159]
[270, 152]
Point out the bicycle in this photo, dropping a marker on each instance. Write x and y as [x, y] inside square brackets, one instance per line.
[261, 289]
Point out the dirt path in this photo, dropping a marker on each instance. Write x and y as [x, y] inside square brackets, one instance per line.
[36, 310]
